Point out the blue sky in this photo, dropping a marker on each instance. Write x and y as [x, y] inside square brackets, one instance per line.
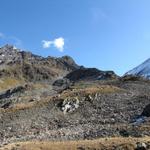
[107, 34]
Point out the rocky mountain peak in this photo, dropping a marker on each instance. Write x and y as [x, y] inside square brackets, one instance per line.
[32, 67]
[8, 48]
[9, 54]
[68, 59]
[143, 70]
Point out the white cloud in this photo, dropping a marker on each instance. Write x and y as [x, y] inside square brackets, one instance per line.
[57, 43]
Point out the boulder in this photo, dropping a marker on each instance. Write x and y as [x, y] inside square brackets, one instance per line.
[9, 92]
[70, 105]
[141, 146]
[146, 111]
[62, 82]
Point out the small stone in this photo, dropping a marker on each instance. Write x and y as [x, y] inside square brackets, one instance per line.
[141, 146]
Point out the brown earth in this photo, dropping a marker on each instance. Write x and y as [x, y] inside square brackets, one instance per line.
[98, 144]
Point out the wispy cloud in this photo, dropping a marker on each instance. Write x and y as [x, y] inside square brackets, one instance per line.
[99, 15]
[1, 35]
[46, 44]
[5, 39]
[58, 43]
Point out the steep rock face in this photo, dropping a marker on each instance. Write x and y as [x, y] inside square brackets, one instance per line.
[142, 70]
[9, 54]
[28, 66]
[146, 111]
[9, 92]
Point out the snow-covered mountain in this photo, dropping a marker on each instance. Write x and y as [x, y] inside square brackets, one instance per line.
[142, 70]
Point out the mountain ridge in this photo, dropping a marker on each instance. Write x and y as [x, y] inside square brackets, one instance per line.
[28, 64]
[56, 99]
[142, 70]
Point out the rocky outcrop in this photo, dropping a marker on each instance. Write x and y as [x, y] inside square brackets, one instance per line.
[9, 92]
[132, 78]
[62, 82]
[141, 146]
[90, 74]
[61, 85]
[146, 111]
[70, 105]
[9, 96]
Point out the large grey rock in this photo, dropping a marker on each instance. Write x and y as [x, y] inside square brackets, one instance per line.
[9, 92]
[141, 146]
[70, 105]
[146, 111]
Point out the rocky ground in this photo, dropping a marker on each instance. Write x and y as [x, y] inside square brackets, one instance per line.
[75, 103]
[87, 110]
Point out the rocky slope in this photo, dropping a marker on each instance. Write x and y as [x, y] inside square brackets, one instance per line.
[72, 103]
[27, 77]
[30, 67]
[86, 110]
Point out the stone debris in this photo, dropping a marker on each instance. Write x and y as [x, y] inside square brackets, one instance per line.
[141, 146]
[70, 105]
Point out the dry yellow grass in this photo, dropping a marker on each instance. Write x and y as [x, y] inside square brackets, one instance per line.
[39, 85]
[23, 106]
[103, 89]
[99, 144]
[7, 83]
